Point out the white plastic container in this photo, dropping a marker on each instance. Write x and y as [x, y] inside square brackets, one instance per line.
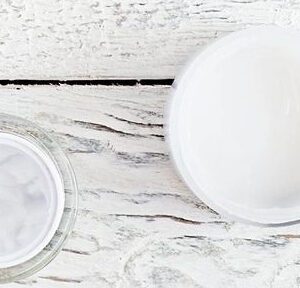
[233, 125]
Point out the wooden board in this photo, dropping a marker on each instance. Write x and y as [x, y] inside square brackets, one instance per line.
[138, 225]
[63, 39]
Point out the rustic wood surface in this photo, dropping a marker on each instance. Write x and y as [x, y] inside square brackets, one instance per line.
[66, 39]
[138, 226]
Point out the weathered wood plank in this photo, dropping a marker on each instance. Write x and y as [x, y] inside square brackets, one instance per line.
[138, 225]
[63, 39]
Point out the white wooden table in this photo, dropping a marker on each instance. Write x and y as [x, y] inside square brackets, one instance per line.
[138, 225]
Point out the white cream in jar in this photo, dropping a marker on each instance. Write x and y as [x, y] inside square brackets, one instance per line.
[234, 125]
[31, 199]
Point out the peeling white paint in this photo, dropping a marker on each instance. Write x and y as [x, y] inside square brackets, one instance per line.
[138, 225]
[63, 39]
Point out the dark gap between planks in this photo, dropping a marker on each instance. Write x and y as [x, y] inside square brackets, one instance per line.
[104, 82]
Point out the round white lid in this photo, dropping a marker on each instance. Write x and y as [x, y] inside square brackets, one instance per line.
[31, 199]
[234, 125]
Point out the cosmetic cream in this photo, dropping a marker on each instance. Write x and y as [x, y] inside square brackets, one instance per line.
[38, 198]
[31, 199]
[234, 125]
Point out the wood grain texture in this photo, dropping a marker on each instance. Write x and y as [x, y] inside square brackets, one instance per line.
[66, 39]
[138, 226]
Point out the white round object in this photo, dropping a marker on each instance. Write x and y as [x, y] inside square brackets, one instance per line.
[234, 125]
[31, 200]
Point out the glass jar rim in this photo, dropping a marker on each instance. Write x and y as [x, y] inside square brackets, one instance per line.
[20, 127]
